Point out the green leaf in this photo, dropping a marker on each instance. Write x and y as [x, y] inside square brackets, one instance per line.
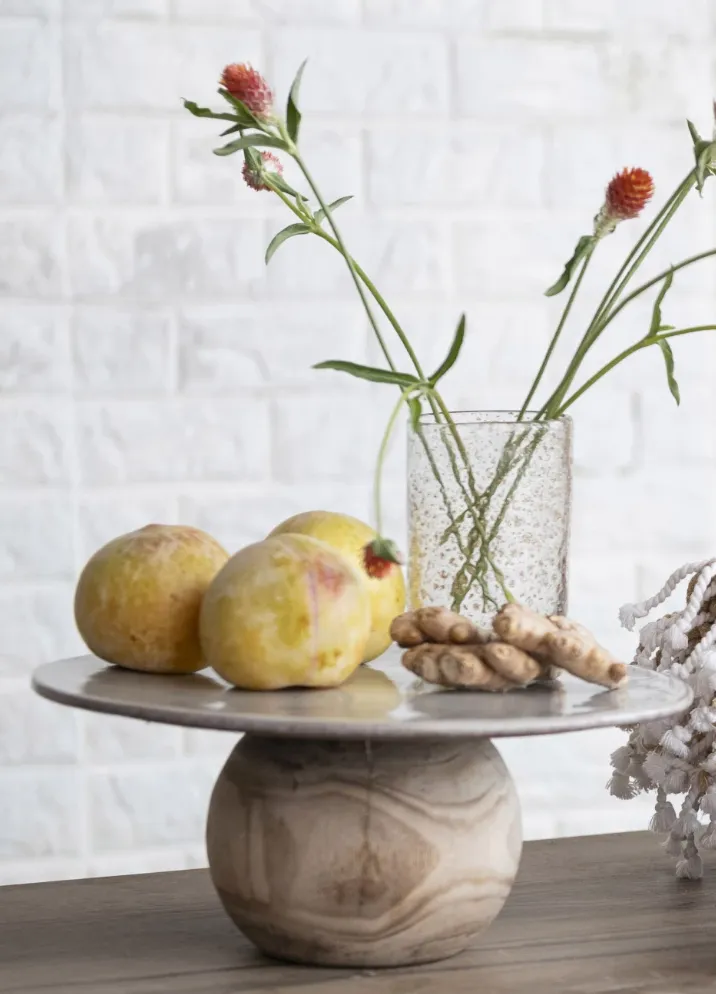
[247, 117]
[705, 156]
[320, 214]
[695, 136]
[249, 141]
[281, 183]
[207, 112]
[584, 247]
[283, 236]
[415, 409]
[293, 114]
[371, 373]
[669, 362]
[656, 326]
[231, 131]
[452, 355]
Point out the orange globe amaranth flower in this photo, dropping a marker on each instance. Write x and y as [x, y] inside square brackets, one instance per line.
[254, 178]
[248, 86]
[628, 194]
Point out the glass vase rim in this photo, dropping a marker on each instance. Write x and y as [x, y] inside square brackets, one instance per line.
[428, 419]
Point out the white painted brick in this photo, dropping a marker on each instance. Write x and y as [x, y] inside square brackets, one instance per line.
[669, 436]
[524, 75]
[206, 742]
[161, 804]
[34, 352]
[30, 871]
[141, 442]
[203, 11]
[322, 12]
[460, 14]
[35, 538]
[103, 518]
[222, 349]
[31, 253]
[512, 255]
[30, 160]
[112, 739]
[582, 15]
[660, 77]
[115, 8]
[156, 261]
[37, 626]
[244, 518]
[42, 814]
[605, 442]
[121, 351]
[518, 15]
[33, 730]
[149, 861]
[314, 442]
[403, 256]
[28, 8]
[34, 443]
[117, 161]
[142, 65]
[29, 66]
[398, 74]
[475, 166]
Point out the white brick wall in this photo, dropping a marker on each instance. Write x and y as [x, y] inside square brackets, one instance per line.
[152, 369]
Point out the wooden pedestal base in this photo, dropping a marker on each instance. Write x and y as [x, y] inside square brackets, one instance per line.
[363, 854]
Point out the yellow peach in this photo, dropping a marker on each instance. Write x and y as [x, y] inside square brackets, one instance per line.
[285, 612]
[138, 598]
[349, 536]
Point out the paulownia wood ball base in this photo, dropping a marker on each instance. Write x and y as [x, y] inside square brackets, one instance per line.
[363, 854]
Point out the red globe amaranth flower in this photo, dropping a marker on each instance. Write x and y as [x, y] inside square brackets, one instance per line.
[248, 86]
[628, 194]
[379, 557]
[254, 177]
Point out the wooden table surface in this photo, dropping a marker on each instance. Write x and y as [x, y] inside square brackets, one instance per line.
[589, 916]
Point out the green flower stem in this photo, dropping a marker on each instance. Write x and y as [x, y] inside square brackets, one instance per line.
[378, 474]
[622, 278]
[556, 335]
[652, 282]
[642, 344]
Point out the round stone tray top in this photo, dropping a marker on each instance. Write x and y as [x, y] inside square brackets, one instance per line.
[381, 701]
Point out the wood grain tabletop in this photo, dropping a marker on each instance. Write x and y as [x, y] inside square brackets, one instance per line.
[588, 915]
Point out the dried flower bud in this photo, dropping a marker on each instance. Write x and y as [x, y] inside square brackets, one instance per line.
[248, 86]
[254, 175]
[628, 194]
[379, 557]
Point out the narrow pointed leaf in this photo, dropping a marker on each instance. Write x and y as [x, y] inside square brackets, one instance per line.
[249, 141]
[656, 326]
[232, 131]
[695, 136]
[371, 373]
[281, 183]
[246, 116]
[584, 246]
[197, 111]
[452, 355]
[320, 213]
[293, 114]
[669, 362]
[283, 236]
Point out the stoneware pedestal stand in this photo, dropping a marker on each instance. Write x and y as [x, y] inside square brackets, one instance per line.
[371, 825]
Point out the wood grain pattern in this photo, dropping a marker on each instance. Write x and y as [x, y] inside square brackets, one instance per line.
[363, 854]
[586, 916]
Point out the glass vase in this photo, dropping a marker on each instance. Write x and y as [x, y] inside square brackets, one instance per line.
[489, 501]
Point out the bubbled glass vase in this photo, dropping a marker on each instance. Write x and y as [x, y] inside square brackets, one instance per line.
[489, 502]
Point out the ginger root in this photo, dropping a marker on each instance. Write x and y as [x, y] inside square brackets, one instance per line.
[511, 663]
[454, 666]
[434, 624]
[558, 641]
